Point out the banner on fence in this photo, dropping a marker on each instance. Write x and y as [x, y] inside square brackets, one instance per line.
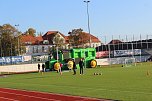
[103, 61]
[127, 52]
[101, 54]
[27, 58]
[11, 60]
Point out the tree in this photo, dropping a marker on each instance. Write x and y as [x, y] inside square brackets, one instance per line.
[31, 31]
[9, 40]
[40, 34]
[77, 38]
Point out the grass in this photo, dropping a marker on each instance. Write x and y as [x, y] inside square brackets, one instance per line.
[127, 83]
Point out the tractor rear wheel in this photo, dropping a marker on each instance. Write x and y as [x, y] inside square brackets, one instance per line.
[70, 64]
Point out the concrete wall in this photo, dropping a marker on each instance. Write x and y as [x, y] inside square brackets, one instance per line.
[20, 68]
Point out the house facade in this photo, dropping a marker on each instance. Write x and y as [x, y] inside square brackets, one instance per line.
[43, 44]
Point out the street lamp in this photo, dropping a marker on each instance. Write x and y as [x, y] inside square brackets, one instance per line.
[18, 39]
[1, 44]
[87, 2]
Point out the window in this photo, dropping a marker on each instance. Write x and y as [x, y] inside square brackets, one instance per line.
[42, 48]
[45, 42]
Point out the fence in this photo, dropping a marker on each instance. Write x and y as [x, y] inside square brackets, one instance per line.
[120, 60]
[12, 60]
[19, 68]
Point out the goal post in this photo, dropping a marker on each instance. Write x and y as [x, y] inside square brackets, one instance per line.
[130, 62]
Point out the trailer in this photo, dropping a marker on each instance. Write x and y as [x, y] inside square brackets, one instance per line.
[66, 57]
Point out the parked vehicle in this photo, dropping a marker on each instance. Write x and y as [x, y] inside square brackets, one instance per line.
[66, 57]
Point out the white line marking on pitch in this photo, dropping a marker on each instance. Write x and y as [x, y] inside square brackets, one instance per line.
[8, 99]
[88, 88]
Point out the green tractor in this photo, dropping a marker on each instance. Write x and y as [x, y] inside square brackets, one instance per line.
[65, 57]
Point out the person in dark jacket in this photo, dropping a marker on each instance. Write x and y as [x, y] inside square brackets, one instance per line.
[43, 67]
[81, 64]
[74, 67]
[38, 67]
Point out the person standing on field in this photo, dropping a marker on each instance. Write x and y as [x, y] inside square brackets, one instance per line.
[81, 64]
[74, 67]
[43, 67]
[38, 67]
[60, 68]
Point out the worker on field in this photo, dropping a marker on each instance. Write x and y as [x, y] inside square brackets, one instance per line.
[43, 67]
[38, 67]
[74, 67]
[60, 68]
[81, 64]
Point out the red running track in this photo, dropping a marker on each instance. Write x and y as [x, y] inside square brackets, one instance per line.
[7, 94]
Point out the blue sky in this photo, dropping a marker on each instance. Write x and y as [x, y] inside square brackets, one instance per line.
[110, 18]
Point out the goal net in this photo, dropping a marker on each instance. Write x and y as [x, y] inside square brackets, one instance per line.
[130, 62]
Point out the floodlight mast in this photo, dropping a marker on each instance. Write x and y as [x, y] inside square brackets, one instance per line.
[87, 2]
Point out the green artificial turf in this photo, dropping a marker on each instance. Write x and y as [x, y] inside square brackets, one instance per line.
[116, 82]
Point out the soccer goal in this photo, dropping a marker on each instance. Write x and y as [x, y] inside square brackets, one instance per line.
[130, 62]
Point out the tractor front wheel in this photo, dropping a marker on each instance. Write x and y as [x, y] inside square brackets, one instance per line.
[57, 66]
[93, 63]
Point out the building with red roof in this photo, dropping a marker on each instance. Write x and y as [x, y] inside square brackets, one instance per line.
[43, 44]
